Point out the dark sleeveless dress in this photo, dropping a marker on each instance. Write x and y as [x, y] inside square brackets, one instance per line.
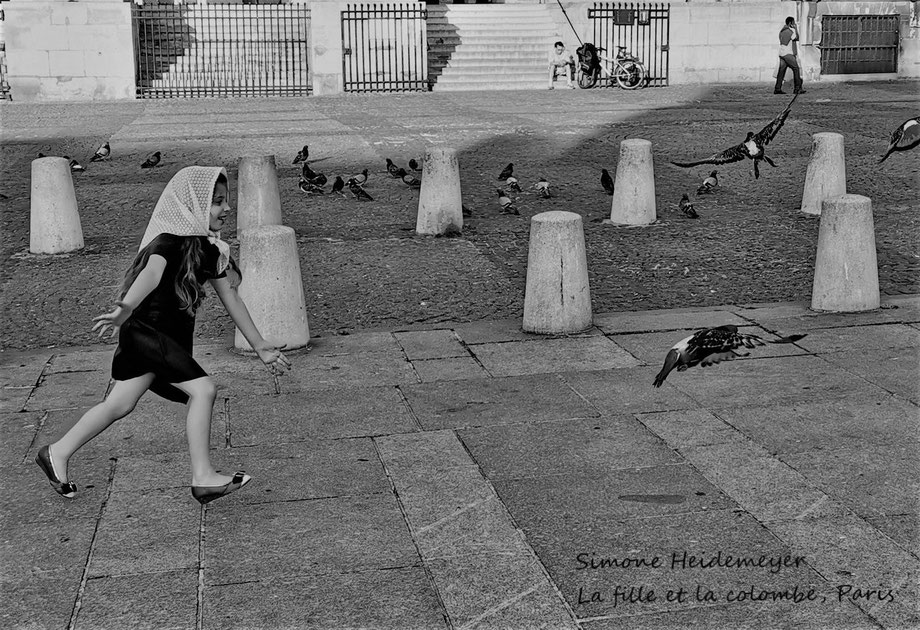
[158, 336]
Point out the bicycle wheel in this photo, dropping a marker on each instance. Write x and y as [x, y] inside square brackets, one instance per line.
[630, 75]
[586, 80]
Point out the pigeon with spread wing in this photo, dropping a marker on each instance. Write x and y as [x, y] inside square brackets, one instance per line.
[752, 148]
[905, 137]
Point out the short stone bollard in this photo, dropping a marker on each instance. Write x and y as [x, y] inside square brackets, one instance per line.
[826, 176]
[557, 298]
[259, 201]
[846, 267]
[272, 286]
[54, 225]
[440, 206]
[634, 185]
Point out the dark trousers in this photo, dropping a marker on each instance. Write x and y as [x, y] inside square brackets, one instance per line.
[788, 61]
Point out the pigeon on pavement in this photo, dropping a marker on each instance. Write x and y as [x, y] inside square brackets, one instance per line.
[361, 178]
[507, 172]
[357, 191]
[411, 181]
[152, 160]
[310, 188]
[338, 185]
[75, 166]
[102, 153]
[513, 184]
[506, 203]
[542, 187]
[606, 181]
[905, 137]
[687, 208]
[413, 164]
[302, 155]
[708, 184]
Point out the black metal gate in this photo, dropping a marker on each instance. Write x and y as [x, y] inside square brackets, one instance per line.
[196, 50]
[384, 48]
[856, 44]
[642, 27]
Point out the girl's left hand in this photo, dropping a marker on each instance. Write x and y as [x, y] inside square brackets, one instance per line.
[273, 357]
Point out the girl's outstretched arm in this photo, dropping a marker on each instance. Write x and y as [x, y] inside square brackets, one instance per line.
[271, 355]
[146, 281]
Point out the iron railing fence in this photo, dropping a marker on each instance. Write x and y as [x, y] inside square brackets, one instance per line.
[384, 48]
[197, 50]
[643, 28]
[858, 44]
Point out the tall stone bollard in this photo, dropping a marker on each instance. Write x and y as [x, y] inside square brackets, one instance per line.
[272, 286]
[826, 176]
[259, 200]
[634, 185]
[440, 208]
[846, 267]
[54, 225]
[557, 297]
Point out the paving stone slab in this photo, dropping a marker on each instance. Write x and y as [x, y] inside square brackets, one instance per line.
[592, 446]
[334, 413]
[849, 551]
[868, 339]
[674, 319]
[568, 555]
[874, 480]
[904, 529]
[26, 487]
[41, 549]
[28, 606]
[22, 368]
[431, 344]
[147, 532]
[68, 390]
[386, 599]
[13, 399]
[691, 427]
[626, 390]
[762, 382]
[357, 343]
[448, 404]
[552, 355]
[499, 591]
[327, 371]
[827, 425]
[771, 310]
[458, 368]
[411, 454]
[570, 501]
[244, 543]
[814, 320]
[896, 370]
[17, 430]
[142, 473]
[80, 359]
[766, 487]
[493, 331]
[166, 601]
[308, 470]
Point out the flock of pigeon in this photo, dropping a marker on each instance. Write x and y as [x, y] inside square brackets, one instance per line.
[104, 153]
[313, 183]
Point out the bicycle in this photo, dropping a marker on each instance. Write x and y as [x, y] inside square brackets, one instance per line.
[626, 70]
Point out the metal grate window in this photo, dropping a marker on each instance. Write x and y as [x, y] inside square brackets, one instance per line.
[859, 44]
[643, 28]
[384, 48]
[196, 50]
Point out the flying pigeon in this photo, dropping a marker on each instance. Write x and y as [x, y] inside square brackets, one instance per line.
[396, 172]
[411, 181]
[905, 137]
[338, 185]
[606, 181]
[414, 165]
[506, 203]
[310, 188]
[505, 174]
[542, 187]
[361, 178]
[306, 172]
[687, 208]
[752, 147]
[513, 184]
[75, 166]
[102, 153]
[302, 155]
[708, 184]
[710, 346]
[357, 191]
[152, 160]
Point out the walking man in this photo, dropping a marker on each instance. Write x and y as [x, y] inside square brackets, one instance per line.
[788, 57]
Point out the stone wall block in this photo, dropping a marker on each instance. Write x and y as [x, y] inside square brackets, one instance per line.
[66, 63]
[70, 14]
[27, 63]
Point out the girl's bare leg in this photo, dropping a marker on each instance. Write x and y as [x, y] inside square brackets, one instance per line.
[118, 404]
[202, 394]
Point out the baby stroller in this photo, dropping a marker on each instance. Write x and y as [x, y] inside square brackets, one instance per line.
[589, 65]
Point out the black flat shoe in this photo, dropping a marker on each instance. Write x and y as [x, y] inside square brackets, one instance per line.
[778, 92]
[206, 494]
[64, 488]
[800, 91]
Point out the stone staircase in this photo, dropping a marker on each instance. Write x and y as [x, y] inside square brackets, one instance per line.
[489, 47]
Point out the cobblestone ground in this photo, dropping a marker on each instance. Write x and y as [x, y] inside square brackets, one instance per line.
[364, 267]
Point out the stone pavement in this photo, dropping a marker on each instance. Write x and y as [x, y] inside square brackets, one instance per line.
[473, 476]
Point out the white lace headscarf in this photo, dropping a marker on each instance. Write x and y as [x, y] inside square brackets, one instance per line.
[184, 209]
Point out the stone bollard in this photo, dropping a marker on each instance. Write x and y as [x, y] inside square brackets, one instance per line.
[634, 185]
[440, 208]
[54, 226]
[557, 297]
[259, 201]
[826, 176]
[846, 267]
[272, 286]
